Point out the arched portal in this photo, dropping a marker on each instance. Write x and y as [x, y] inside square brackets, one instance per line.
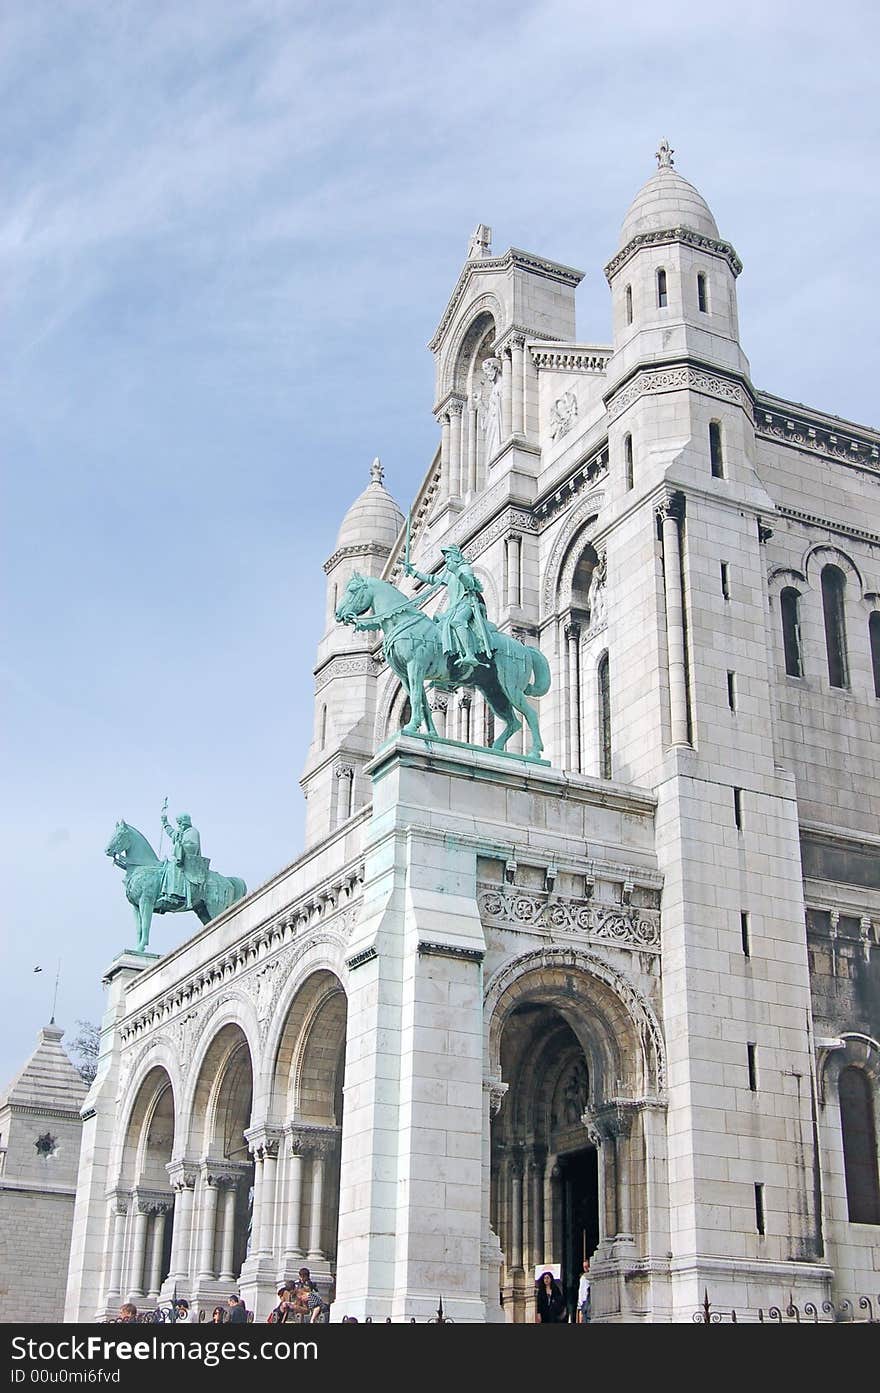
[307, 1104]
[545, 1195]
[141, 1227]
[215, 1190]
[575, 1054]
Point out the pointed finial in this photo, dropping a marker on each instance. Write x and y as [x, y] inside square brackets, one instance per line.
[377, 473]
[480, 243]
[664, 155]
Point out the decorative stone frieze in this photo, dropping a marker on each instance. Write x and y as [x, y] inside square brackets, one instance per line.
[348, 665]
[313, 1139]
[449, 950]
[543, 913]
[677, 378]
[360, 549]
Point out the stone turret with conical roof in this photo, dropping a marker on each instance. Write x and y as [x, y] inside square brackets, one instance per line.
[40, 1133]
[673, 278]
[345, 672]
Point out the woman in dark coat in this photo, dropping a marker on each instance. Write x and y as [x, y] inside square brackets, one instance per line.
[549, 1301]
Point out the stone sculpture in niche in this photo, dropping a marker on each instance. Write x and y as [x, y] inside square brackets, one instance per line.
[487, 400]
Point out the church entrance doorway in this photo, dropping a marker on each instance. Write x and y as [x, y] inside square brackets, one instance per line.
[544, 1172]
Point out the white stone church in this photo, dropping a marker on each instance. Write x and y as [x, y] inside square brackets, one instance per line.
[502, 1013]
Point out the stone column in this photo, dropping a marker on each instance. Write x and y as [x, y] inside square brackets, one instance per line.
[668, 512]
[227, 1231]
[516, 1213]
[514, 562]
[464, 717]
[208, 1217]
[537, 1178]
[572, 642]
[269, 1149]
[138, 1251]
[517, 346]
[344, 792]
[183, 1180]
[120, 1217]
[444, 456]
[506, 402]
[556, 1216]
[470, 484]
[160, 1212]
[455, 453]
[440, 706]
[315, 1253]
[293, 1254]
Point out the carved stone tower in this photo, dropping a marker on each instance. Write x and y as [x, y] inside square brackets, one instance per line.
[345, 672]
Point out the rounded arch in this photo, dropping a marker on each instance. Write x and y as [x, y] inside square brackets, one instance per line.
[817, 557]
[222, 1099]
[236, 1008]
[148, 1135]
[859, 1051]
[581, 521]
[479, 322]
[613, 1022]
[309, 1056]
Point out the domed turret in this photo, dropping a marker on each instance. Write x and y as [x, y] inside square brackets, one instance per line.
[665, 202]
[373, 518]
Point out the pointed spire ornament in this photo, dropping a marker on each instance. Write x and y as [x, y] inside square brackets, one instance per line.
[377, 473]
[664, 155]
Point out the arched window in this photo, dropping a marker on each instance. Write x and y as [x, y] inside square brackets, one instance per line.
[662, 297]
[323, 727]
[716, 453]
[874, 638]
[629, 304]
[604, 681]
[859, 1146]
[702, 293]
[833, 590]
[789, 606]
[628, 460]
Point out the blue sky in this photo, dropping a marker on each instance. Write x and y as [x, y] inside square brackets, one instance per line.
[227, 231]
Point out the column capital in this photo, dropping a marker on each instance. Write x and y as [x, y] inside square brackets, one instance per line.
[496, 1091]
[670, 507]
[310, 1138]
[182, 1174]
[572, 631]
[263, 1141]
[151, 1201]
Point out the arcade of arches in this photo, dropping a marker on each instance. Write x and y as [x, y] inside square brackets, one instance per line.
[218, 1187]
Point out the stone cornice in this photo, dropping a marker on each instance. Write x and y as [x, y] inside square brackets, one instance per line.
[428, 948]
[513, 259]
[664, 237]
[843, 529]
[362, 549]
[571, 357]
[73, 1114]
[855, 446]
[583, 477]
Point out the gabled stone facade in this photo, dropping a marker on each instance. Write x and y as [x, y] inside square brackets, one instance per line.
[501, 1014]
[40, 1131]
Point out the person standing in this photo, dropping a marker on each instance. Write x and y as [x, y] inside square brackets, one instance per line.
[584, 1295]
[549, 1301]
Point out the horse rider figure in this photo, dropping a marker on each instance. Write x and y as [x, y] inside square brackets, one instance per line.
[187, 869]
[463, 628]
